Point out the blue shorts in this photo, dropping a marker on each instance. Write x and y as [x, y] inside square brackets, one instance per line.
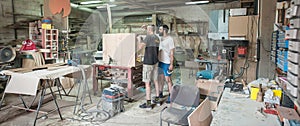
[163, 68]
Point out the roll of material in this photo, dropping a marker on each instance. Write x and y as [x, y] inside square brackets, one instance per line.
[34, 59]
[7, 54]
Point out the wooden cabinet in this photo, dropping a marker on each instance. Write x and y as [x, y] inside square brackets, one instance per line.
[50, 43]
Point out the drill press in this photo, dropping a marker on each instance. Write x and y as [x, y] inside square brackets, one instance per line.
[230, 47]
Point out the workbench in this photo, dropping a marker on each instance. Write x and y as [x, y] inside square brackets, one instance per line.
[28, 82]
[239, 110]
[133, 76]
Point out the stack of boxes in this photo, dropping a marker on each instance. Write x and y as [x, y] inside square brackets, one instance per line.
[282, 51]
[293, 35]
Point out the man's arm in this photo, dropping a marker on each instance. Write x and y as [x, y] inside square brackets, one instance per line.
[142, 44]
[171, 59]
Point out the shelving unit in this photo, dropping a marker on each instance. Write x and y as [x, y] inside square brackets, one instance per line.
[287, 54]
[282, 51]
[35, 33]
[50, 43]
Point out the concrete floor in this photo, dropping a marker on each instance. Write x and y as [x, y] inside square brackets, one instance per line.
[132, 116]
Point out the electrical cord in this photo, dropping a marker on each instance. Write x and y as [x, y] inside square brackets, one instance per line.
[91, 115]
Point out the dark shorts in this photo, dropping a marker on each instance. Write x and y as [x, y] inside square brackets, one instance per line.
[163, 68]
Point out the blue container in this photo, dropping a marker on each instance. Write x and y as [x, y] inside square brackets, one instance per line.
[205, 74]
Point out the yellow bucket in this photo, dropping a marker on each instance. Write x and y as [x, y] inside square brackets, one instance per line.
[254, 92]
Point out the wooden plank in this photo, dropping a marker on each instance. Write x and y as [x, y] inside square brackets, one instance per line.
[201, 116]
[287, 113]
[238, 26]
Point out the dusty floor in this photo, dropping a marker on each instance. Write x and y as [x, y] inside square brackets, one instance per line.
[132, 116]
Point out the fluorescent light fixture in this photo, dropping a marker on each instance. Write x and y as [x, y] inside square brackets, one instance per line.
[196, 2]
[104, 6]
[91, 2]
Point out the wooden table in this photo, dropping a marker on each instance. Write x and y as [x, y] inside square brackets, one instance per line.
[239, 110]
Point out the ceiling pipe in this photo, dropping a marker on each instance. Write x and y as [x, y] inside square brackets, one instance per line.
[81, 8]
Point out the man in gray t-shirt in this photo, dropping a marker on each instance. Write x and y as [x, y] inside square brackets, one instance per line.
[150, 63]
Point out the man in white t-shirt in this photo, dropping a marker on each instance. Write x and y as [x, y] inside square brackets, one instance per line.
[166, 58]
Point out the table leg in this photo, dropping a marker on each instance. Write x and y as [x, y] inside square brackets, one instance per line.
[57, 81]
[40, 104]
[2, 100]
[54, 99]
[57, 85]
[129, 85]
[95, 82]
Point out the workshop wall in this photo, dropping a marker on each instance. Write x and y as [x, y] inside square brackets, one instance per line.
[24, 12]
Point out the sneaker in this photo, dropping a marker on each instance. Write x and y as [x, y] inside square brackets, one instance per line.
[161, 95]
[168, 100]
[156, 100]
[146, 106]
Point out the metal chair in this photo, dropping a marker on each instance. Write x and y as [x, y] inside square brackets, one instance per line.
[184, 98]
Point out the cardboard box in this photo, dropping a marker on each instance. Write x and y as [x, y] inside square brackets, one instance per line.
[208, 86]
[46, 26]
[66, 82]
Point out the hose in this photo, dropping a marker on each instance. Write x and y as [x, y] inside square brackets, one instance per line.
[91, 115]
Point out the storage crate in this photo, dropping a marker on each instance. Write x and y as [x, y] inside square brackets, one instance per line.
[293, 11]
[283, 44]
[282, 56]
[292, 34]
[293, 79]
[283, 67]
[293, 68]
[293, 57]
[295, 23]
[293, 90]
[294, 46]
[295, 2]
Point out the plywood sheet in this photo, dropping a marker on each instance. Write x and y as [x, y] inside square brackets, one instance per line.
[22, 84]
[201, 116]
[238, 26]
[121, 47]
